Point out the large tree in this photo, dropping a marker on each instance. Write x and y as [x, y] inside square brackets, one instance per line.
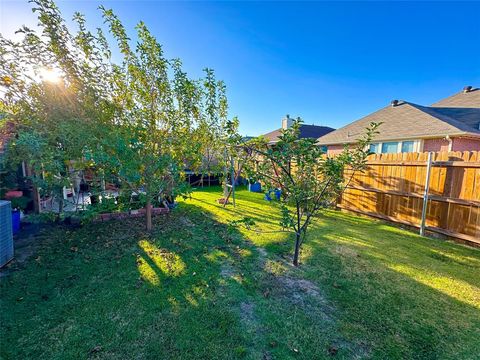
[140, 120]
[167, 119]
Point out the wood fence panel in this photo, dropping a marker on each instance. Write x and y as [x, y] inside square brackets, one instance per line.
[392, 188]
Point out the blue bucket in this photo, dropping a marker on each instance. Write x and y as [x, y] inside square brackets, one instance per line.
[15, 221]
[278, 194]
[256, 187]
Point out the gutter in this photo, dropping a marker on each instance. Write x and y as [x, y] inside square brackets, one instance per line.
[450, 142]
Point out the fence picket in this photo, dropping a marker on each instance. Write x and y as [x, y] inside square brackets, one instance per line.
[392, 188]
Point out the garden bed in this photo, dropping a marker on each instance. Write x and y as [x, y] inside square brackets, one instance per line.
[129, 214]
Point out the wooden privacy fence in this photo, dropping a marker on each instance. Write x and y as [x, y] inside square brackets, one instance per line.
[393, 188]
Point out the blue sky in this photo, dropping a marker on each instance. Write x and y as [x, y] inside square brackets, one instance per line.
[328, 62]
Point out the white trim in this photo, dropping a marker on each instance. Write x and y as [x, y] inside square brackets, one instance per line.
[421, 144]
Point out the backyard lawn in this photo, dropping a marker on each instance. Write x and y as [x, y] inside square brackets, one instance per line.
[196, 288]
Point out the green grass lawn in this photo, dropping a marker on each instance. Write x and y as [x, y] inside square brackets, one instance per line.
[196, 288]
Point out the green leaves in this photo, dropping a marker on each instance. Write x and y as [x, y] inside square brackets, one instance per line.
[308, 179]
[138, 123]
[288, 220]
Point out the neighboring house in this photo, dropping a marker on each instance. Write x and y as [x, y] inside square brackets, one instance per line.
[451, 124]
[306, 131]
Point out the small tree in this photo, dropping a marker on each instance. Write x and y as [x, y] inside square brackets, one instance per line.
[307, 178]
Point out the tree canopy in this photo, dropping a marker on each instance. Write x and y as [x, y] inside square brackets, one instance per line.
[139, 119]
[308, 179]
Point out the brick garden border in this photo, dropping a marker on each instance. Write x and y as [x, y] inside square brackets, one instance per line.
[129, 214]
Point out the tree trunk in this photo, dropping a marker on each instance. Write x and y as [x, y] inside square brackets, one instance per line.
[297, 250]
[297, 237]
[148, 214]
[60, 208]
[35, 193]
[36, 200]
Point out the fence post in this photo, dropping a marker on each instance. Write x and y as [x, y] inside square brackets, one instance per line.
[425, 194]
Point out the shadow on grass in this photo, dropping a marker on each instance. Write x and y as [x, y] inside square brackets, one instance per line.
[113, 290]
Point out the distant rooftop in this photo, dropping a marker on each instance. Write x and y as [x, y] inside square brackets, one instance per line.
[306, 131]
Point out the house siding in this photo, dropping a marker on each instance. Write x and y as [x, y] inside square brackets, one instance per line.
[465, 144]
[333, 150]
[435, 145]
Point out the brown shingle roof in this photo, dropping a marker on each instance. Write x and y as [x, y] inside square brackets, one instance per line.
[461, 99]
[404, 121]
[462, 106]
[306, 131]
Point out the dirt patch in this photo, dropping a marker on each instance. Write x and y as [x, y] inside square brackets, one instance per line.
[278, 275]
[300, 286]
[304, 293]
[307, 295]
[282, 281]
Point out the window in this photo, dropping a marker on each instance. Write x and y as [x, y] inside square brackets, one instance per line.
[393, 147]
[407, 146]
[374, 148]
[324, 149]
[390, 147]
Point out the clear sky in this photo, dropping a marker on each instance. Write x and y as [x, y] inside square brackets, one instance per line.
[328, 62]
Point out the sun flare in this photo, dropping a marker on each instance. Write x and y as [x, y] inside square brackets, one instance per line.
[50, 74]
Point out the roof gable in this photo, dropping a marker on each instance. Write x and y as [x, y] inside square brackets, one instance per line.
[403, 121]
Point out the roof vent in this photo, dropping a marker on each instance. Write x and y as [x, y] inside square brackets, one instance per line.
[394, 103]
[467, 89]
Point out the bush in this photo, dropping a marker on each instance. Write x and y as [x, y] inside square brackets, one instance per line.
[20, 203]
[42, 218]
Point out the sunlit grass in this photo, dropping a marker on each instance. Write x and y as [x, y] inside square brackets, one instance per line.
[456, 288]
[147, 272]
[166, 261]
